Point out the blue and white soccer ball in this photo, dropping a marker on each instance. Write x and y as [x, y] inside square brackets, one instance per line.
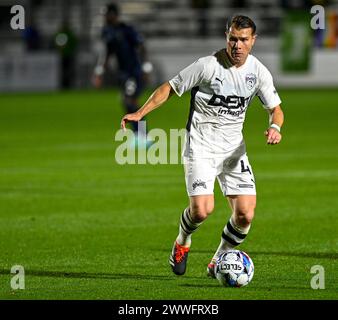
[234, 268]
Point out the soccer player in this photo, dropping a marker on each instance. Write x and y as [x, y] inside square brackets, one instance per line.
[127, 45]
[222, 85]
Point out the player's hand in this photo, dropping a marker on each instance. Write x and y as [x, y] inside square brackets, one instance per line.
[273, 136]
[136, 116]
[97, 81]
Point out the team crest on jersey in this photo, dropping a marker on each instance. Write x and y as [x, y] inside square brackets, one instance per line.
[250, 80]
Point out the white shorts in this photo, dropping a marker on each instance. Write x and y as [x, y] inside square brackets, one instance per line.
[234, 176]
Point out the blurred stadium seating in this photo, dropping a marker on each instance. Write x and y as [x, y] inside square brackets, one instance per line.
[171, 29]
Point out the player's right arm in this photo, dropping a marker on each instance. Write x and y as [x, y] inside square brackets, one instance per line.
[189, 77]
[158, 97]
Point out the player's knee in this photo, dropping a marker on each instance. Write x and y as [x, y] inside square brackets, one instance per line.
[245, 213]
[244, 216]
[200, 212]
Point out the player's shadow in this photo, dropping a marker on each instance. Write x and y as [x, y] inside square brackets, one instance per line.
[317, 255]
[89, 275]
[211, 285]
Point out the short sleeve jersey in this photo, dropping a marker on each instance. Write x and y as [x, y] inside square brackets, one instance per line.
[220, 96]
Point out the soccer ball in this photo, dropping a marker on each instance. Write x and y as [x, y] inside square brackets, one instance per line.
[234, 268]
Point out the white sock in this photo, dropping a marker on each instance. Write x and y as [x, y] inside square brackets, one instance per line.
[232, 236]
[187, 227]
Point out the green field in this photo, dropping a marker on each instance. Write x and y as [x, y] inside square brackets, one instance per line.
[84, 227]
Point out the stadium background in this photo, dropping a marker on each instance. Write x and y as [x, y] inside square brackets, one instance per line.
[84, 227]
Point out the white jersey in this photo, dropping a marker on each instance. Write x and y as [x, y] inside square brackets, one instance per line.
[220, 96]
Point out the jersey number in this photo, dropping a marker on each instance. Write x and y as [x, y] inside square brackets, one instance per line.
[243, 169]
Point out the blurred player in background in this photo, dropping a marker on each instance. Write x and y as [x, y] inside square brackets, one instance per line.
[222, 86]
[127, 45]
[66, 42]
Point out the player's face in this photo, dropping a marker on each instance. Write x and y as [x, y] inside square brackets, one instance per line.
[239, 44]
[111, 18]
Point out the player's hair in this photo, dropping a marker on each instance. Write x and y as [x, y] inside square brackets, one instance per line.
[112, 8]
[241, 22]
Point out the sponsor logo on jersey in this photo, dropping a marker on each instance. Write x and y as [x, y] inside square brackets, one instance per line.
[250, 80]
[231, 105]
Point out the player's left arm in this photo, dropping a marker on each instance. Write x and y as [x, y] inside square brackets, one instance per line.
[138, 42]
[276, 119]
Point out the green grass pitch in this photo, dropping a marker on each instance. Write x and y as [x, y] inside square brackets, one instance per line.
[84, 227]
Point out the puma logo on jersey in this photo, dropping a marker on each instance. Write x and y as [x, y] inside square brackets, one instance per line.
[218, 79]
